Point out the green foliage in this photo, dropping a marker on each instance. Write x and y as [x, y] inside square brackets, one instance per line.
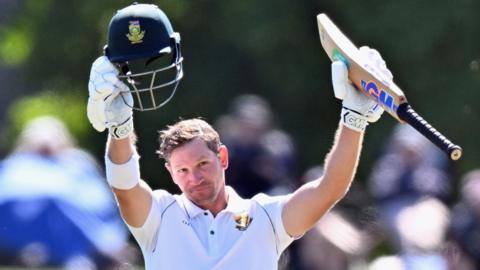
[15, 47]
[68, 107]
[18, 40]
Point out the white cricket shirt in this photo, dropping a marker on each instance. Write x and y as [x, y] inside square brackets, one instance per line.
[178, 235]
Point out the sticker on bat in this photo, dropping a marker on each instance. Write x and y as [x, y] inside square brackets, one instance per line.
[379, 94]
[336, 55]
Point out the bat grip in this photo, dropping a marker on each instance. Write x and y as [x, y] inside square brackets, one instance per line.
[407, 114]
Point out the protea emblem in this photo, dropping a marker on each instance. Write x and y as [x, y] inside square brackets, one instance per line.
[243, 220]
[135, 34]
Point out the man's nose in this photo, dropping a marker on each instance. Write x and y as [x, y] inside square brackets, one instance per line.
[197, 177]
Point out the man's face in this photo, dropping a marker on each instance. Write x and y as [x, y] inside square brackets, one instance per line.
[199, 172]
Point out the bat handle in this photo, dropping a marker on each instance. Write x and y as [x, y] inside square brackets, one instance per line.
[407, 114]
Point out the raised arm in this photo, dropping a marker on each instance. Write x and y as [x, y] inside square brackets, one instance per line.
[107, 108]
[311, 201]
[135, 202]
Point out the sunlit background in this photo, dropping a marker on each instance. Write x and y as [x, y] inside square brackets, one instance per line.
[271, 49]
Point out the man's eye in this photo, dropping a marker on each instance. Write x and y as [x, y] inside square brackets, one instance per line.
[182, 171]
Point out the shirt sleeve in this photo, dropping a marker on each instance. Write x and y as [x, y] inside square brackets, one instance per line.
[273, 205]
[146, 235]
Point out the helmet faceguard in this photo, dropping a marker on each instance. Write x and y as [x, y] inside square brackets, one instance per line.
[143, 45]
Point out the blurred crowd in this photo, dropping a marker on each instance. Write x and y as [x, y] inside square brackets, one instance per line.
[407, 214]
[56, 209]
[410, 212]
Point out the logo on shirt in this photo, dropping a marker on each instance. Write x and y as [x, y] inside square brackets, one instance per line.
[243, 220]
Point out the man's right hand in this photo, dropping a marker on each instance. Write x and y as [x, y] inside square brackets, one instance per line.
[108, 98]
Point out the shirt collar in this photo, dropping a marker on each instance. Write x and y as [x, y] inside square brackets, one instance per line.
[191, 209]
[235, 204]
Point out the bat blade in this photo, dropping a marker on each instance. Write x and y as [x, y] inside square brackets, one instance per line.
[361, 73]
[373, 84]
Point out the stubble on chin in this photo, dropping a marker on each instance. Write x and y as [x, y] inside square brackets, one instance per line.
[203, 197]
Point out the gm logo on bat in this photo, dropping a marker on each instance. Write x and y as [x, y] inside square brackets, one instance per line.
[379, 94]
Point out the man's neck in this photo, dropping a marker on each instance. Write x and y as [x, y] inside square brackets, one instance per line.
[218, 205]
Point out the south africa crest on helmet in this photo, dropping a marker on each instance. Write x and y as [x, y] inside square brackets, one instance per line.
[146, 51]
[136, 33]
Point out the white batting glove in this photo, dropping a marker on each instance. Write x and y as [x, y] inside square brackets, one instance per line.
[108, 98]
[373, 57]
[358, 110]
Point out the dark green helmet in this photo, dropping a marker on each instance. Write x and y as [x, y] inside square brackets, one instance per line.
[140, 36]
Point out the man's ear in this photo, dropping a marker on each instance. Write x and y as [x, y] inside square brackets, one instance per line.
[223, 156]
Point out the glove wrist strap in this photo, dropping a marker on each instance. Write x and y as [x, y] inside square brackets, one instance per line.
[353, 120]
[123, 130]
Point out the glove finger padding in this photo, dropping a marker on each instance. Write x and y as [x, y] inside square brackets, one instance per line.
[375, 112]
[99, 85]
[104, 81]
[340, 80]
[96, 115]
[373, 57]
[108, 98]
[117, 111]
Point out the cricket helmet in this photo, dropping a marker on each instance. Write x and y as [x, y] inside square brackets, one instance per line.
[142, 44]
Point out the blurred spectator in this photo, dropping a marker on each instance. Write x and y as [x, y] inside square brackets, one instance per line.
[338, 241]
[411, 186]
[56, 209]
[262, 157]
[464, 254]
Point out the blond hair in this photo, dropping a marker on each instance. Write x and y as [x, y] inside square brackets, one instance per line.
[185, 131]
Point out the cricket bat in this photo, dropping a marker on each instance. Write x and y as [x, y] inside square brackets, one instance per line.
[370, 82]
